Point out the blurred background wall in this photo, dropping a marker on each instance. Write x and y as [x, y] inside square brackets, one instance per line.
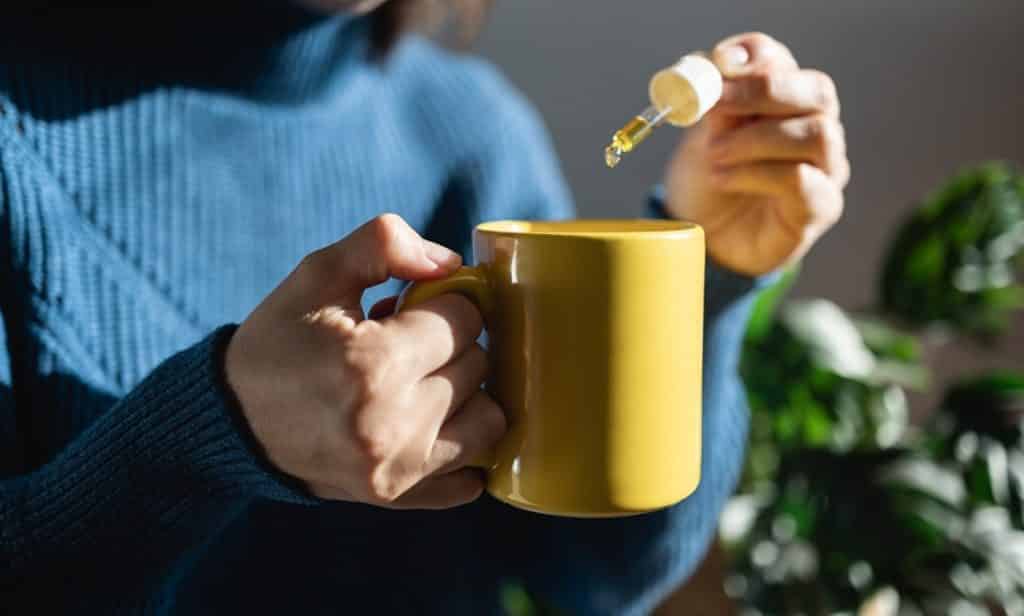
[926, 87]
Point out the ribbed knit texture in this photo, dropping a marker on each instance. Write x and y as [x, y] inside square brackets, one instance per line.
[151, 194]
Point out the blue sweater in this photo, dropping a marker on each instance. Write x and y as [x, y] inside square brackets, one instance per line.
[150, 196]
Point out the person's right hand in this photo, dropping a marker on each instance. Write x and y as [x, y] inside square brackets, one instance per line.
[382, 411]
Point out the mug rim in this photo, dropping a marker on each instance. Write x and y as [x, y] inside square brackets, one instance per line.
[593, 228]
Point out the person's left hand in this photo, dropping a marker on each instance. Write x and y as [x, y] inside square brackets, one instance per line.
[764, 171]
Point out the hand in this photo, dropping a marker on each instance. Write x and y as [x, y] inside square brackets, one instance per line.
[382, 411]
[764, 171]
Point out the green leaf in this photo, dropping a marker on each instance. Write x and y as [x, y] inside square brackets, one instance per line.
[888, 342]
[830, 335]
[817, 426]
[979, 484]
[913, 376]
[763, 313]
[1004, 299]
[926, 477]
[926, 260]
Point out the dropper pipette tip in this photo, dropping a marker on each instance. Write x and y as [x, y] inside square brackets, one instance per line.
[612, 156]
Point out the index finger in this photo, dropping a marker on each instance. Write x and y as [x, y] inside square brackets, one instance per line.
[780, 93]
[437, 330]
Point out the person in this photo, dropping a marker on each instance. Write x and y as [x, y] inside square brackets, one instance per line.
[169, 172]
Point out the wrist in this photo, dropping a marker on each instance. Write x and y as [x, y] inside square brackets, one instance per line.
[232, 381]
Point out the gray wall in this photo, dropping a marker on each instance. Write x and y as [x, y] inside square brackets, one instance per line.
[926, 87]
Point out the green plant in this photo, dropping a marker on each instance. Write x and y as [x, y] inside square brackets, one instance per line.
[845, 505]
[953, 262]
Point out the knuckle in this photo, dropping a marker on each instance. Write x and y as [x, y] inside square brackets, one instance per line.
[835, 212]
[387, 226]
[374, 441]
[803, 192]
[370, 343]
[761, 85]
[845, 172]
[759, 39]
[804, 175]
[818, 133]
[368, 385]
[331, 321]
[818, 201]
[382, 488]
[831, 133]
[824, 214]
[768, 46]
[833, 147]
[838, 138]
[366, 371]
[827, 93]
[367, 331]
[315, 266]
[389, 230]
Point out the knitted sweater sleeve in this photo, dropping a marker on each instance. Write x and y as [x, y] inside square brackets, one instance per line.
[157, 474]
[627, 565]
[154, 476]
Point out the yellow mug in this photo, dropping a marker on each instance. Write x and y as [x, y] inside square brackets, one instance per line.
[594, 340]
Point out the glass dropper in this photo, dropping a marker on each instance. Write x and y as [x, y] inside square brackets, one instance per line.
[635, 131]
[680, 95]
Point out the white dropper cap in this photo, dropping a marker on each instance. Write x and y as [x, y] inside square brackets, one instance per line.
[689, 88]
[680, 95]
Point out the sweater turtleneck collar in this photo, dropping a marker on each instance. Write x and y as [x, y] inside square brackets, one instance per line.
[270, 50]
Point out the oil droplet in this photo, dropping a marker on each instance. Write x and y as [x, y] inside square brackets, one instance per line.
[612, 156]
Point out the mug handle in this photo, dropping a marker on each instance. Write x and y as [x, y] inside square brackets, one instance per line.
[470, 282]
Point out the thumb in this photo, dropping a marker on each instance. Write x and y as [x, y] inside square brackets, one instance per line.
[747, 53]
[383, 248]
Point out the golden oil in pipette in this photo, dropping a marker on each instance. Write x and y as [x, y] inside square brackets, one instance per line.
[635, 131]
[625, 139]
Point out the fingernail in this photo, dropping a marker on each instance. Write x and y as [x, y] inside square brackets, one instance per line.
[734, 58]
[441, 256]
